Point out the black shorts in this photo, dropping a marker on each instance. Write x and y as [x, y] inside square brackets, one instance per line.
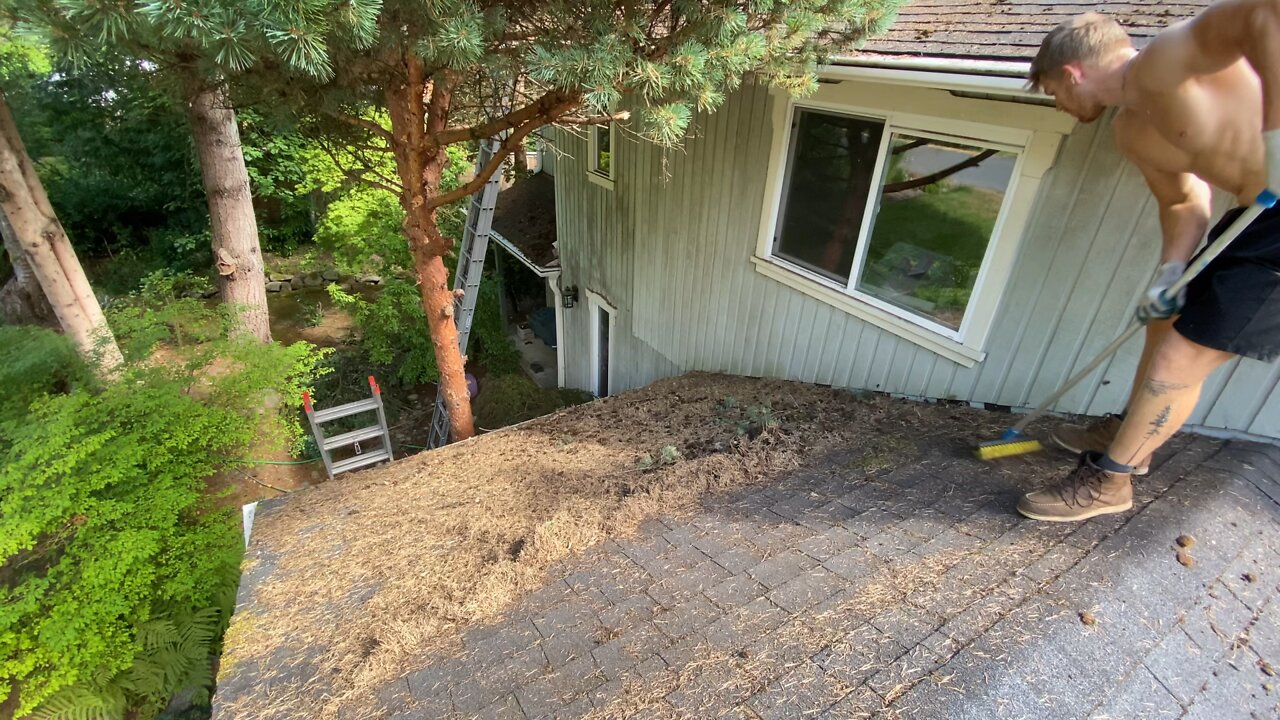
[1234, 303]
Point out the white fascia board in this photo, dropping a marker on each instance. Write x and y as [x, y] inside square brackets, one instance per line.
[963, 75]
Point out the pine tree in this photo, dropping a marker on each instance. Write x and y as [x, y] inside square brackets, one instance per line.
[412, 77]
[184, 52]
[443, 72]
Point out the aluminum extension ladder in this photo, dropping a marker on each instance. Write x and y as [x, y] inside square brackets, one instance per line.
[353, 438]
[475, 244]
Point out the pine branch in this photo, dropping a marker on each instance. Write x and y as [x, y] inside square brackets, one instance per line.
[620, 116]
[516, 118]
[910, 146]
[508, 145]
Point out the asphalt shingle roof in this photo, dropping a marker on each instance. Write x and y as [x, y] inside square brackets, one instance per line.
[1009, 30]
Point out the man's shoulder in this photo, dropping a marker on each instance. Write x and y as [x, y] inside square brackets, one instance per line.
[1129, 129]
[1141, 143]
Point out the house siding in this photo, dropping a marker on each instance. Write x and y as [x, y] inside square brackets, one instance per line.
[671, 246]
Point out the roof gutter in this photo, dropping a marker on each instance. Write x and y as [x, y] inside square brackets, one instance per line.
[518, 254]
[975, 76]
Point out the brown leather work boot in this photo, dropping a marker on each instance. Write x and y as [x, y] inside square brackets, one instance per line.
[1088, 491]
[1095, 437]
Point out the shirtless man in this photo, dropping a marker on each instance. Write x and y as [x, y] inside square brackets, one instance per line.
[1199, 106]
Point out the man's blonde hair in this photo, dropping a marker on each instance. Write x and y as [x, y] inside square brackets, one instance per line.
[1084, 38]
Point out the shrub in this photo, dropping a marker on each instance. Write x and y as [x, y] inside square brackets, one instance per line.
[508, 399]
[36, 362]
[117, 568]
[394, 330]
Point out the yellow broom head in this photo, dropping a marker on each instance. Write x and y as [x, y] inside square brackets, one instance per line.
[1007, 448]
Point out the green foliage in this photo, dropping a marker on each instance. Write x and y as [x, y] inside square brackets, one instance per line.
[312, 314]
[508, 399]
[750, 421]
[393, 329]
[173, 654]
[117, 568]
[278, 159]
[363, 225]
[494, 348]
[35, 362]
[158, 313]
[363, 229]
[116, 158]
[21, 58]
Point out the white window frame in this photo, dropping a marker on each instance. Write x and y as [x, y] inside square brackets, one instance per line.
[603, 179]
[596, 303]
[1029, 131]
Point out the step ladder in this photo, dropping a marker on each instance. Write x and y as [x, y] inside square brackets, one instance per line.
[353, 438]
[475, 245]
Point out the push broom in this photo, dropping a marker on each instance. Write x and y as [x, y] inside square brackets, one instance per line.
[1014, 442]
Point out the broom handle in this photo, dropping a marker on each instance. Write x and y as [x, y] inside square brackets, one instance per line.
[1214, 249]
[1211, 252]
[1057, 394]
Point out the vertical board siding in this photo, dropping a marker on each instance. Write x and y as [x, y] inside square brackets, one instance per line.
[671, 247]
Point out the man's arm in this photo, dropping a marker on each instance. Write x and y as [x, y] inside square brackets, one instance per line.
[1185, 201]
[1184, 215]
[1212, 41]
[1185, 208]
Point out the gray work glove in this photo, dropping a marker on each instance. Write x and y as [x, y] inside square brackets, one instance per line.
[1154, 304]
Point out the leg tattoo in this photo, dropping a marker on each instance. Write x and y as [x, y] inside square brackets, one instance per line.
[1156, 388]
[1161, 420]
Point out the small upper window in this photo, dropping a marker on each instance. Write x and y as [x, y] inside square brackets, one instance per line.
[601, 153]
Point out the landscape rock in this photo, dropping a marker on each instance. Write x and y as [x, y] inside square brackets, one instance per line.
[371, 280]
[281, 277]
[211, 292]
[295, 284]
[331, 275]
[275, 286]
[312, 279]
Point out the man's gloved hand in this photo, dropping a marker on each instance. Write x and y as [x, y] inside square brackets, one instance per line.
[1154, 305]
[1271, 141]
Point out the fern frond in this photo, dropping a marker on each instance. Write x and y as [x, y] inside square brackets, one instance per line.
[80, 702]
[155, 634]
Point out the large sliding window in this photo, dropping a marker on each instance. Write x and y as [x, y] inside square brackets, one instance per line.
[902, 218]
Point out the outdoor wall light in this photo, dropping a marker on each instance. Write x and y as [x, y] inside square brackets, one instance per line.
[570, 296]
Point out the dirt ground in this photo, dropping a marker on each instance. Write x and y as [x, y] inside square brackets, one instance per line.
[447, 539]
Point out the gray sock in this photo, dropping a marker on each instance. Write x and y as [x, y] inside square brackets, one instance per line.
[1105, 462]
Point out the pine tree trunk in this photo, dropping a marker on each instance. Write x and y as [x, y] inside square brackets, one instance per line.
[437, 303]
[236, 253]
[45, 245]
[419, 165]
[22, 302]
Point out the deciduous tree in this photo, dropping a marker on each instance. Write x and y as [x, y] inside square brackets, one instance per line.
[45, 246]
